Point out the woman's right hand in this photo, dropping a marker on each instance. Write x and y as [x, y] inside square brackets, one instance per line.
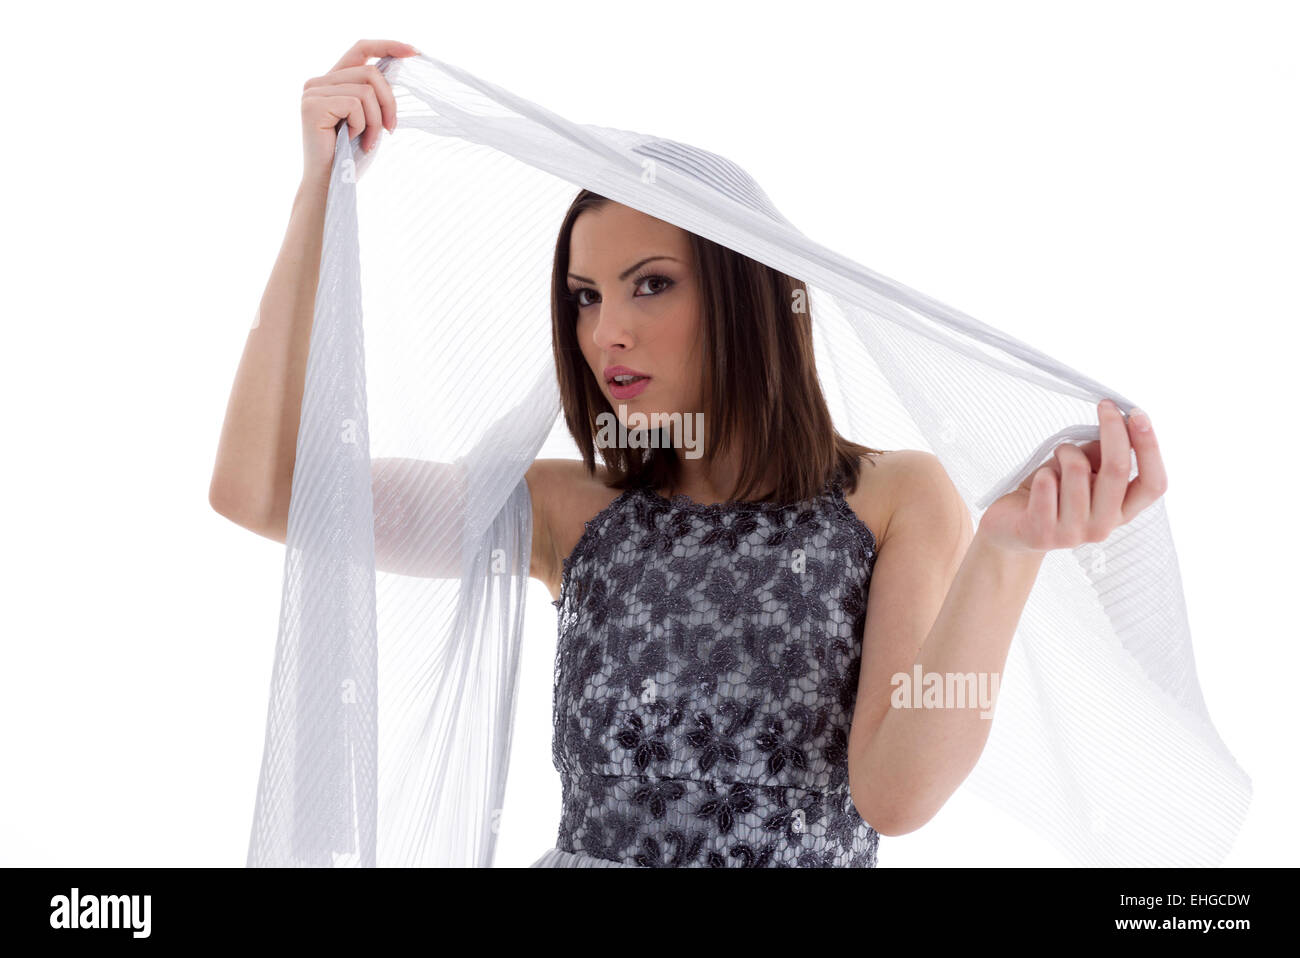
[353, 91]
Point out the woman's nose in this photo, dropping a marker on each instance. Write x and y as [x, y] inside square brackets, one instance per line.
[610, 332]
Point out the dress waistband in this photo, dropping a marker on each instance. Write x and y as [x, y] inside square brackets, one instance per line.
[558, 858]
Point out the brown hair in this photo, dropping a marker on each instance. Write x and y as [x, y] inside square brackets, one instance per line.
[760, 380]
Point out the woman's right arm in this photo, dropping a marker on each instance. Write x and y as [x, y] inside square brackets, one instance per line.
[253, 474]
[254, 468]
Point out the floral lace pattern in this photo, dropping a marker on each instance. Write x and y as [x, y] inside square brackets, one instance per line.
[705, 676]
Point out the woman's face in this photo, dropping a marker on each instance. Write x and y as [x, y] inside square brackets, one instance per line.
[638, 308]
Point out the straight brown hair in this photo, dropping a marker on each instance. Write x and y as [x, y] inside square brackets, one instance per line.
[764, 396]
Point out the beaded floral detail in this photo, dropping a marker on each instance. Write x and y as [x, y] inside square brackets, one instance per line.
[705, 677]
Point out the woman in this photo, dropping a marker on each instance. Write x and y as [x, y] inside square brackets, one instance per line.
[724, 690]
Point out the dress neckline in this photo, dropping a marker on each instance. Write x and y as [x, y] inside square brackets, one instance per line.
[684, 503]
[832, 492]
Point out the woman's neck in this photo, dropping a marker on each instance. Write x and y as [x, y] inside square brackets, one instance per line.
[707, 481]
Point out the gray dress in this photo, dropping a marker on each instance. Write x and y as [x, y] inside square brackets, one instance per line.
[705, 676]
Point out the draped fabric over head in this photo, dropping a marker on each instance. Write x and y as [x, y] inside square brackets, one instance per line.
[396, 668]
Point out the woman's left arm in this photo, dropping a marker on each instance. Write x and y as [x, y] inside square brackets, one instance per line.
[945, 601]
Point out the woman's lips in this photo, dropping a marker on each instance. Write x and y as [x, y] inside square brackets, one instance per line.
[628, 390]
[630, 387]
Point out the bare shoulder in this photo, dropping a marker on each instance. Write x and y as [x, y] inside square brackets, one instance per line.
[900, 485]
[564, 498]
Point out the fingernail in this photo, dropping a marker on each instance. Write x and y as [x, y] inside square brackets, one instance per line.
[1140, 419]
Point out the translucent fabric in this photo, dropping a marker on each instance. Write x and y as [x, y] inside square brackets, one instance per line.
[395, 679]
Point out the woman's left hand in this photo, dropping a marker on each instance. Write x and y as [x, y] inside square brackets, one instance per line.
[1083, 492]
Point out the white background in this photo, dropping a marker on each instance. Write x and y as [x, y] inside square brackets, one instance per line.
[1113, 183]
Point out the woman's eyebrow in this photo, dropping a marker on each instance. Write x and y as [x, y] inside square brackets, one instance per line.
[627, 272]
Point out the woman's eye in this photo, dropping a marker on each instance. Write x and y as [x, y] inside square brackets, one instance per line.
[577, 294]
[650, 279]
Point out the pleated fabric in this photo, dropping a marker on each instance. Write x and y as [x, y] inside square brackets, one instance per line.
[430, 390]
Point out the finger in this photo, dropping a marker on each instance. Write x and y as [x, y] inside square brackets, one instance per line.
[364, 49]
[1116, 462]
[373, 77]
[1091, 449]
[1151, 481]
[384, 93]
[1074, 512]
[342, 108]
[369, 104]
[1040, 512]
[1052, 464]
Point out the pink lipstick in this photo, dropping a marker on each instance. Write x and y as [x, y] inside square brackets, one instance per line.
[624, 383]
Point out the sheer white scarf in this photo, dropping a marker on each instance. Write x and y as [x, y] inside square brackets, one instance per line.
[395, 680]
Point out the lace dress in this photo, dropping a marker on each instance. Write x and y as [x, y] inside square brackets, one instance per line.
[705, 675]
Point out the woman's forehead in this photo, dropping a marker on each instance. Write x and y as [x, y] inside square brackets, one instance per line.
[603, 239]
